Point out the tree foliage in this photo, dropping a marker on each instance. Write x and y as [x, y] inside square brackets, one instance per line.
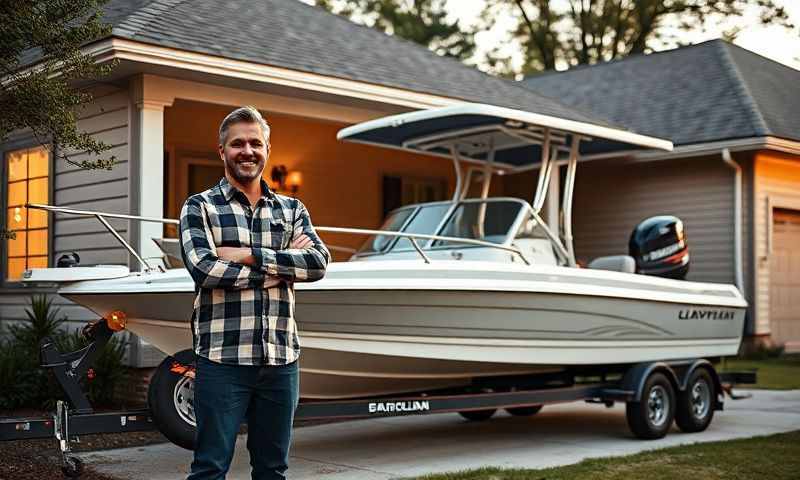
[421, 21]
[587, 31]
[40, 61]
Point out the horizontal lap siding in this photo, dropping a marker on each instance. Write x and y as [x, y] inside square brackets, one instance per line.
[777, 176]
[106, 119]
[610, 200]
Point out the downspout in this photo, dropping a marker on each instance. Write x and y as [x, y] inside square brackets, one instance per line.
[737, 218]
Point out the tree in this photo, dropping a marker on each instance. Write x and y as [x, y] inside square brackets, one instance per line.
[588, 31]
[40, 61]
[421, 21]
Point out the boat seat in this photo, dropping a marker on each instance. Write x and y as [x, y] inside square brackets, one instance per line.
[616, 263]
[171, 248]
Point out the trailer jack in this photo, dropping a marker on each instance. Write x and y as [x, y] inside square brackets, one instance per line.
[75, 416]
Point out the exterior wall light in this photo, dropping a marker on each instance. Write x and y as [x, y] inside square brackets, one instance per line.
[285, 180]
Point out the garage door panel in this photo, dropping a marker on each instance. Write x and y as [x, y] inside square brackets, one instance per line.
[785, 279]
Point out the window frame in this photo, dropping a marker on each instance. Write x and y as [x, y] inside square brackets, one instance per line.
[12, 145]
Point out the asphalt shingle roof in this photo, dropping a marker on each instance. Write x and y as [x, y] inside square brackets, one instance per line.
[293, 35]
[706, 92]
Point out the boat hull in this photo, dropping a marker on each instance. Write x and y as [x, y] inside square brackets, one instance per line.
[402, 327]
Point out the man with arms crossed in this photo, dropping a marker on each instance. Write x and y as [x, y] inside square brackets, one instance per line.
[245, 246]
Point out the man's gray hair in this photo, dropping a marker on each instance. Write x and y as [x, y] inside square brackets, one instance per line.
[246, 114]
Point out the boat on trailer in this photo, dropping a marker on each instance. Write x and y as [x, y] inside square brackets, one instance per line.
[449, 295]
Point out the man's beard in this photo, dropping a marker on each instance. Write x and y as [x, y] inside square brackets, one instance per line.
[244, 175]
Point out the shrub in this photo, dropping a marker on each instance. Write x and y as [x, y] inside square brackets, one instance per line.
[764, 352]
[43, 322]
[25, 384]
[15, 387]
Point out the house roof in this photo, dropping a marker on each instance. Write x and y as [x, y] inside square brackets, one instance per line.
[293, 35]
[707, 92]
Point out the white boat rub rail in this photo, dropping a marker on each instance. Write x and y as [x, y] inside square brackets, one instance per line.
[412, 237]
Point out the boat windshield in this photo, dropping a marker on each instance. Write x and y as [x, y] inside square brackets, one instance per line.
[425, 221]
[487, 221]
[393, 223]
[490, 221]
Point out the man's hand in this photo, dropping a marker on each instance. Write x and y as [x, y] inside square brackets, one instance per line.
[244, 255]
[235, 254]
[301, 242]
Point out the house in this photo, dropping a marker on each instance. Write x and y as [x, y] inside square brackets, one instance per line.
[706, 98]
[182, 66]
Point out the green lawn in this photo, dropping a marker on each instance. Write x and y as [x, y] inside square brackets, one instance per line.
[775, 457]
[782, 373]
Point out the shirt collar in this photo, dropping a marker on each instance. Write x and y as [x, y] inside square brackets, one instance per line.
[229, 191]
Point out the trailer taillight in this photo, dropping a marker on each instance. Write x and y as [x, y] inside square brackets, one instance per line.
[116, 320]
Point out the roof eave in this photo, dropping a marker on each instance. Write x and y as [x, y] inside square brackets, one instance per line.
[707, 148]
[123, 49]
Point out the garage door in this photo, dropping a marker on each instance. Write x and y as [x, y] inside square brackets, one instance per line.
[784, 291]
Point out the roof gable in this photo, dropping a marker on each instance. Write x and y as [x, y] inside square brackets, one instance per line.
[706, 92]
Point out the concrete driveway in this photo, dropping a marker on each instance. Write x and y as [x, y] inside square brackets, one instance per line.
[408, 446]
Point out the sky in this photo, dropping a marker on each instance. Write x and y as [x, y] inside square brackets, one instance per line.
[773, 42]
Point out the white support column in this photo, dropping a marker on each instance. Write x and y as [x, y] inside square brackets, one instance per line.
[147, 163]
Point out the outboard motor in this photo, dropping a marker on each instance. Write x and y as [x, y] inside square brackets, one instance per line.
[658, 244]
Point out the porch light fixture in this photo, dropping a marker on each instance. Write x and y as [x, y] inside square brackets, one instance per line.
[285, 180]
[294, 180]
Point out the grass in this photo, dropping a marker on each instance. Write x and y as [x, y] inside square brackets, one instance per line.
[780, 373]
[776, 457]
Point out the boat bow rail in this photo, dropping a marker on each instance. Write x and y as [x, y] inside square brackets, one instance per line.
[146, 266]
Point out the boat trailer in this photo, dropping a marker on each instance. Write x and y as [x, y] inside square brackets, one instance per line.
[519, 394]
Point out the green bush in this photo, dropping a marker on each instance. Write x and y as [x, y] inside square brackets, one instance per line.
[764, 352]
[17, 382]
[25, 384]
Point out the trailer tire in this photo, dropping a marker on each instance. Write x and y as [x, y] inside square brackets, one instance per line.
[72, 467]
[651, 417]
[478, 415]
[171, 400]
[695, 408]
[524, 411]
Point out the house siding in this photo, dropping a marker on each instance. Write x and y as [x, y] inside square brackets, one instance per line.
[776, 185]
[611, 199]
[106, 119]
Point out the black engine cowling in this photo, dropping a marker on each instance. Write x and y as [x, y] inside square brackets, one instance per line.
[658, 244]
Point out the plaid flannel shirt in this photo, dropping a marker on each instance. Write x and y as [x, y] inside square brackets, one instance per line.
[236, 320]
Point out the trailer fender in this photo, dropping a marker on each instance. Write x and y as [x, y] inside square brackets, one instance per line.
[709, 367]
[636, 376]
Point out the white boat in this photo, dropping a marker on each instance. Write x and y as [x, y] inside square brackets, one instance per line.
[447, 292]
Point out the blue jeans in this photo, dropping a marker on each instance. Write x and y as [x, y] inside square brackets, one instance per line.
[223, 396]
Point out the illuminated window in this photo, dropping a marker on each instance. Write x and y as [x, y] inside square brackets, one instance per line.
[27, 182]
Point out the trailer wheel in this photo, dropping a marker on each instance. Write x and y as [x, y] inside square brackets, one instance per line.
[171, 399]
[478, 415]
[652, 416]
[524, 411]
[73, 467]
[696, 404]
